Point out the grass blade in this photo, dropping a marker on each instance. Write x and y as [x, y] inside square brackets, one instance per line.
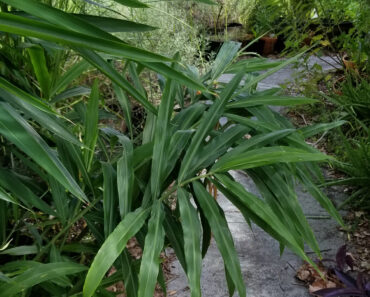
[154, 241]
[112, 248]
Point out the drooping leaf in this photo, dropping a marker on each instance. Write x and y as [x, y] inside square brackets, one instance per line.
[18, 131]
[91, 125]
[112, 248]
[40, 68]
[161, 139]
[209, 120]
[38, 274]
[125, 177]
[266, 156]
[222, 235]
[192, 233]
[154, 241]
[270, 100]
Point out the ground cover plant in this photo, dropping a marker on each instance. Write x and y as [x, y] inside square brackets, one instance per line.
[74, 191]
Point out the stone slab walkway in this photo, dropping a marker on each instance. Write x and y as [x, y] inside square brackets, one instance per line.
[266, 274]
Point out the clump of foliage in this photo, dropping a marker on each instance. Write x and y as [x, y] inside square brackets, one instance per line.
[74, 191]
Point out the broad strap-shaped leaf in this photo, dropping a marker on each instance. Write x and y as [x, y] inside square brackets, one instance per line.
[252, 65]
[319, 128]
[219, 145]
[262, 76]
[126, 107]
[161, 139]
[72, 73]
[266, 156]
[222, 234]
[65, 20]
[20, 133]
[207, 123]
[32, 28]
[38, 274]
[47, 120]
[192, 233]
[7, 197]
[40, 68]
[112, 248]
[70, 93]
[224, 58]
[261, 213]
[319, 195]
[91, 125]
[270, 100]
[154, 241]
[132, 3]
[22, 95]
[115, 25]
[109, 198]
[129, 274]
[60, 199]
[12, 183]
[125, 176]
[97, 61]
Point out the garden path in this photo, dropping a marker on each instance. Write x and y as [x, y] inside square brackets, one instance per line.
[265, 273]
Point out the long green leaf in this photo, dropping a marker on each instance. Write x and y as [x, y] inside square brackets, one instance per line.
[18, 131]
[22, 95]
[161, 139]
[126, 107]
[226, 55]
[222, 234]
[65, 20]
[266, 156]
[132, 3]
[40, 68]
[209, 120]
[39, 274]
[262, 214]
[91, 125]
[31, 28]
[46, 120]
[192, 233]
[109, 198]
[11, 182]
[6, 197]
[71, 74]
[97, 61]
[115, 25]
[125, 177]
[270, 100]
[112, 248]
[154, 241]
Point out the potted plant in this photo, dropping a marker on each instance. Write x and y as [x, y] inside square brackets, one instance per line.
[265, 21]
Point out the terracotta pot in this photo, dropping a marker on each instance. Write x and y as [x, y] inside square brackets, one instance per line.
[349, 64]
[269, 45]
